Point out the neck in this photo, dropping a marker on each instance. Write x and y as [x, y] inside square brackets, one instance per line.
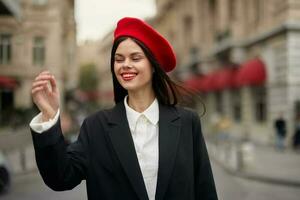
[140, 101]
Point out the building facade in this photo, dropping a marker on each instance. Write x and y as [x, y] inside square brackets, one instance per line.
[98, 53]
[106, 83]
[258, 40]
[41, 36]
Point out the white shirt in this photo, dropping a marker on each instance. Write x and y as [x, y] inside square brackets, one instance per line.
[144, 130]
[39, 126]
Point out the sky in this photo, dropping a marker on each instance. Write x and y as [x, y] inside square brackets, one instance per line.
[95, 18]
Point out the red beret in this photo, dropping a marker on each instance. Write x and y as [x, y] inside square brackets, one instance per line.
[158, 45]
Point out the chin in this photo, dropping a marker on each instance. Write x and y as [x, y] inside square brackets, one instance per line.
[129, 87]
[134, 85]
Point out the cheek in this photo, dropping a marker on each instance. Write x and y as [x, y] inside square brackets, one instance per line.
[146, 76]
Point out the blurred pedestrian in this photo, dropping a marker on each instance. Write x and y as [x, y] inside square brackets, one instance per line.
[296, 136]
[280, 130]
[145, 147]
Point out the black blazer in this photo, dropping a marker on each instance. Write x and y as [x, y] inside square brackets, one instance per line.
[104, 156]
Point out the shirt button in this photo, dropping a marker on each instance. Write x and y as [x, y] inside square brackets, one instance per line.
[144, 119]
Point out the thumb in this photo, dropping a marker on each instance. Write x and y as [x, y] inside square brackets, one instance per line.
[53, 84]
[48, 88]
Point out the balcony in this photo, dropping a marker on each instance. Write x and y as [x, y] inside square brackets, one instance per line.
[10, 8]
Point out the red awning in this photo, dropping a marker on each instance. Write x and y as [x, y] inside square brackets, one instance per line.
[207, 83]
[7, 82]
[218, 80]
[252, 72]
[193, 83]
[213, 81]
[224, 79]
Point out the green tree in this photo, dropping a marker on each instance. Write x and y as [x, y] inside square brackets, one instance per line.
[88, 77]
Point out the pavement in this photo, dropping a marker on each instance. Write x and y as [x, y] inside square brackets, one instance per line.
[243, 159]
[16, 145]
[257, 162]
[14, 137]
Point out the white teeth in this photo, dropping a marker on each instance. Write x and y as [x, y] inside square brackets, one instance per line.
[128, 75]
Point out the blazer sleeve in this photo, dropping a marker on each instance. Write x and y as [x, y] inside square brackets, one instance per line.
[61, 166]
[204, 182]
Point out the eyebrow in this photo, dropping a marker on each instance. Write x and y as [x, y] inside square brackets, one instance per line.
[132, 54]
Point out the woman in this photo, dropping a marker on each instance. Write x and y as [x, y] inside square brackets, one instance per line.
[145, 147]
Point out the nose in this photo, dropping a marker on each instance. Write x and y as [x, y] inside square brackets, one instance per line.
[127, 64]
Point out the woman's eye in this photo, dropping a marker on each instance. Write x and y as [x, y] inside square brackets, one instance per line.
[119, 60]
[136, 59]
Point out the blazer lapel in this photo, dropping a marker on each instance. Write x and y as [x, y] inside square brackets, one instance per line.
[123, 144]
[169, 133]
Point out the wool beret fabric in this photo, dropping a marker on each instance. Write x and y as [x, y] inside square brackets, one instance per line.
[158, 45]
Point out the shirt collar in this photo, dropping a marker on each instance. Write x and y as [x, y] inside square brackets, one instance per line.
[151, 113]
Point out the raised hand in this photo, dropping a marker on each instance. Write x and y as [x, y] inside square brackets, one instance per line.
[45, 94]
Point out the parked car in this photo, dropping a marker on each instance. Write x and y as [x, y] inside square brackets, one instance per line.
[5, 178]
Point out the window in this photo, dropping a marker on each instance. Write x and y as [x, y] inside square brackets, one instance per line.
[212, 5]
[38, 51]
[259, 103]
[5, 48]
[236, 105]
[39, 2]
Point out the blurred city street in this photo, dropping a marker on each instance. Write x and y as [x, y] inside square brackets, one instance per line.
[233, 188]
[237, 60]
[30, 186]
[269, 174]
[266, 175]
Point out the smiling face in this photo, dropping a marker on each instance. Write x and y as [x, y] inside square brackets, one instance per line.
[131, 67]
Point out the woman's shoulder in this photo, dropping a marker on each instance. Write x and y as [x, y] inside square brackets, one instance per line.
[189, 116]
[187, 112]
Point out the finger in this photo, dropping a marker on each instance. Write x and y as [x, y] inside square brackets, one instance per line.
[45, 72]
[39, 83]
[53, 83]
[43, 77]
[48, 88]
[37, 89]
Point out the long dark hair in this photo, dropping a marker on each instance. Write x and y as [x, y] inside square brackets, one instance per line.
[165, 89]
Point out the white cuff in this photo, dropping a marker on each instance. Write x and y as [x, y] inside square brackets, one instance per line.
[39, 126]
